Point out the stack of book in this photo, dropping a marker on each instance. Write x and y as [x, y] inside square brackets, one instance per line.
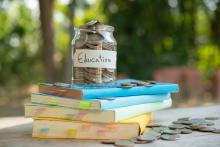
[62, 111]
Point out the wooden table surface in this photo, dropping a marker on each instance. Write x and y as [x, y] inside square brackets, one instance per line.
[16, 132]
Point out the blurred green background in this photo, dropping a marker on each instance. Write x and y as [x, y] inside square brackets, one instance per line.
[165, 40]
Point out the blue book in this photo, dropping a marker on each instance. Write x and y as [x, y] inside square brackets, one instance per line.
[97, 104]
[92, 92]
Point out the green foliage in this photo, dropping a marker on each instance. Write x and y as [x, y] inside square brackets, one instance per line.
[151, 34]
[19, 45]
[209, 59]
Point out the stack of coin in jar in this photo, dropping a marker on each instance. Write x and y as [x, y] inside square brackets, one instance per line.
[94, 37]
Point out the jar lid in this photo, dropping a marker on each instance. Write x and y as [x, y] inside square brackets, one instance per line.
[95, 25]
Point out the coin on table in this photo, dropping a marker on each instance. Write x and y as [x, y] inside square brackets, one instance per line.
[183, 118]
[169, 137]
[185, 131]
[172, 132]
[186, 122]
[217, 131]
[209, 123]
[108, 141]
[177, 126]
[124, 143]
[207, 129]
[147, 138]
[212, 118]
[61, 84]
[152, 124]
[197, 120]
[159, 129]
[197, 126]
[152, 133]
[177, 122]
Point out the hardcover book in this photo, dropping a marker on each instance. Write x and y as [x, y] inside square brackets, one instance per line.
[85, 92]
[100, 116]
[55, 128]
[97, 104]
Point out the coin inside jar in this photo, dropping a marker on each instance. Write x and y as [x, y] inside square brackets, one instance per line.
[94, 54]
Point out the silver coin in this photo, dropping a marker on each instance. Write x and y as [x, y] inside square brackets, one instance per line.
[61, 84]
[152, 133]
[197, 121]
[124, 143]
[186, 122]
[169, 137]
[172, 132]
[197, 126]
[151, 125]
[159, 129]
[177, 122]
[185, 131]
[177, 126]
[136, 141]
[217, 131]
[212, 118]
[207, 129]
[183, 118]
[146, 138]
[209, 123]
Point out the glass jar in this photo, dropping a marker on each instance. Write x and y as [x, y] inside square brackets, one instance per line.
[94, 54]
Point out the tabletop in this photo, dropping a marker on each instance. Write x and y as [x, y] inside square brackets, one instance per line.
[16, 131]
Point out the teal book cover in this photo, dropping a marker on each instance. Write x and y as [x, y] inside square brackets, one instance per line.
[92, 92]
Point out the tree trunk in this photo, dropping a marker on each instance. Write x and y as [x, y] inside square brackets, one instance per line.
[68, 65]
[46, 18]
[215, 28]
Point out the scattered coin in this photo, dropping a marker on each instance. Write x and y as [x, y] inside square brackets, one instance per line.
[177, 126]
[124, 143]
[61, 84]
[150, 82]
[126, 85]
[169, 137]
[217, 131]
[147, 138]
[108, 141]
[183, 119]
[185, 131]
[159, 129]
[152, 133]
[171, 132]
[209, 123]
[177, 122]
[207, 129]
[136, 141]
[197, 126]
[198, 121]
[151, 125]
[143, 84]
[212, 118]
[155, 131]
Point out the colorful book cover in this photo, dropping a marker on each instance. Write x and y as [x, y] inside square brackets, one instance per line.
[55, 128]
[97, 104]
[85, 93]
[99, 116]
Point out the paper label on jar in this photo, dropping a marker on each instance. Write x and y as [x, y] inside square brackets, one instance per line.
[94, 58]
